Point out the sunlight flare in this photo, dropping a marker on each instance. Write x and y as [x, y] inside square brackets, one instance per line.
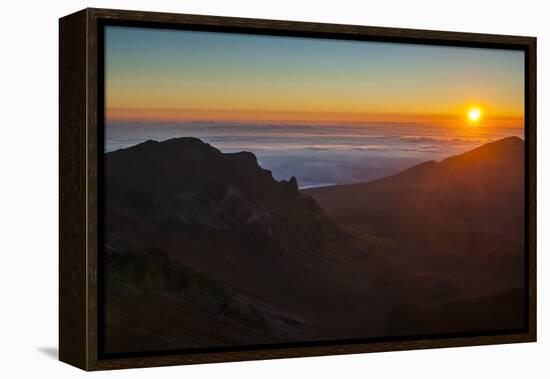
[474, 114]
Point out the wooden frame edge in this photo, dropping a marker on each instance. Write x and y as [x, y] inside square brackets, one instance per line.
[72, 195]
[172, 360]
[531, 178]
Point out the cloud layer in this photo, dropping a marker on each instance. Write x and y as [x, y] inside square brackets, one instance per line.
[319, 155]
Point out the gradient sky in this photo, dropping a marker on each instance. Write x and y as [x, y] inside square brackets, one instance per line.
[158, 74]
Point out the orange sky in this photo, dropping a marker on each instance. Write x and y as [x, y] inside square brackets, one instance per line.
[181, 75]
[459, 118]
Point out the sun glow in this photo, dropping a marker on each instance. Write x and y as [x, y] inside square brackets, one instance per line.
[474, 114]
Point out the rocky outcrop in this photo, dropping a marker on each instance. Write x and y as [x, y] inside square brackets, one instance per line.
[192, 185]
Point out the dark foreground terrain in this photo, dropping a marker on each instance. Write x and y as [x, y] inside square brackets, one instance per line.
[206, 249]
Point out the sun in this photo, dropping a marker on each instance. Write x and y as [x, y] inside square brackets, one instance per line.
[474, 114]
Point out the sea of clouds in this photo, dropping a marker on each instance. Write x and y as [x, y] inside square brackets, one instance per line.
[318, 155]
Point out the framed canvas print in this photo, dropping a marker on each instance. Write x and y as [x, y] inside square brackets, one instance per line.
[238, 189]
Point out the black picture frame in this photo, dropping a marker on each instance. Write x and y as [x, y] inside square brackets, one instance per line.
[81, 74]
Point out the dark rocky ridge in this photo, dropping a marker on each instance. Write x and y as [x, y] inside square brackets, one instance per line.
[186, 182]
[179, 210]
[206, 249]
[461, 198]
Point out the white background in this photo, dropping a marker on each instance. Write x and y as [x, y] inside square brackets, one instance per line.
[29, 186]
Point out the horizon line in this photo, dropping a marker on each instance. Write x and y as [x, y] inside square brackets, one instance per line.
[244, 116]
